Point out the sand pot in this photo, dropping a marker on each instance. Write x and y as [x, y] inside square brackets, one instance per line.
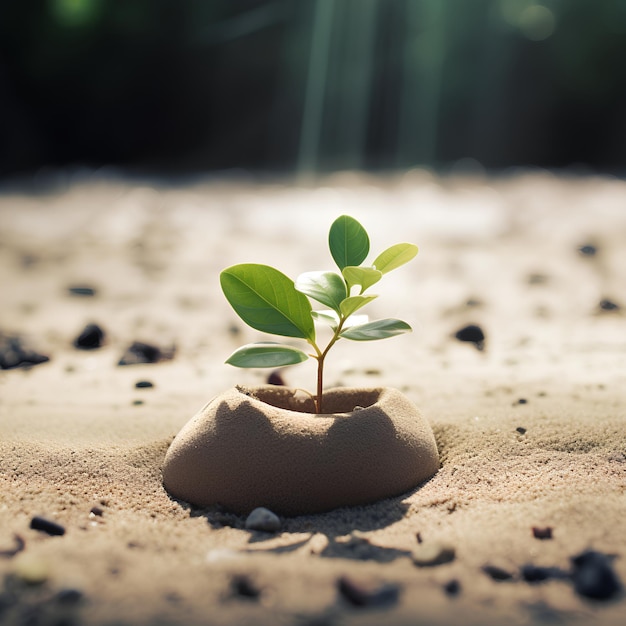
[265, 446]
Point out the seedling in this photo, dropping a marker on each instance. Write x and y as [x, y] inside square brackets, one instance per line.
[271, 302]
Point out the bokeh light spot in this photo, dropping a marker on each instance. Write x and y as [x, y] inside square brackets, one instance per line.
[537, 22]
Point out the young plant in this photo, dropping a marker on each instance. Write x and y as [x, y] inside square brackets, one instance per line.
[271, 302]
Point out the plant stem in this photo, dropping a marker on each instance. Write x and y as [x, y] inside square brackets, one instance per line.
[320, 356]
[320, 384]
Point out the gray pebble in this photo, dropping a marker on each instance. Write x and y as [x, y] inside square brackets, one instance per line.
[263, 519]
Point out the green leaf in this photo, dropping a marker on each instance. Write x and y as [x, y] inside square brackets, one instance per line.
[354, 303]
[363, 276]
[267, 300]
[325, 287]
[380, 329]
[394, 257]
[266, 355]
[348, 242]
[328, 317]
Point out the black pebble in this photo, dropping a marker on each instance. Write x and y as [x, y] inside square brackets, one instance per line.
[144, 384]
[471, 334]
[497, 573]
[69, 596]
[608, 305]
[521, 430]
[91, 337]
[588, 250]
[522, 401]
[362, 595]
[593, 575]
[81, 290]
[275, 379]
[139, 352]
[46, 526]
[542, 532]
[537, 574]
[13, 353]
[452, 587]
[243, 586]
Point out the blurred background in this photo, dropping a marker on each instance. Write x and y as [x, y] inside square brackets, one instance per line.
[300, 86]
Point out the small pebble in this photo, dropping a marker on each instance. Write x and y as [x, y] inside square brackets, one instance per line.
[263, 519]
[542, 533]
[432, 554]
[19, 545]
[15, 353]
[244, 586]
[144, 384]
[537, 279]
[588, 250]
[32, 571]
[90, 338]
[522, 401]
[97, 511]
[139, 352]
[47, 526]
[69, 596]
[497, 573]
[608, 305]
[536, 574]
[275, 379]
[363, 594]
[594, 576]
[472, 334]
[81, 290]
[521, 430]
[452, 587]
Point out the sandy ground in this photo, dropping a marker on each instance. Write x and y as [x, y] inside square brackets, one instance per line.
[531, 430]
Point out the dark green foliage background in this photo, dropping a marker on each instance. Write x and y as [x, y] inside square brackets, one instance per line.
[195, 85]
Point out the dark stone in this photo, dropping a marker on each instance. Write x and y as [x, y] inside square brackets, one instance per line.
[522, 401]
[497, 573]
[244, 587]
[19, 545]
[144, 384]
[542, 533]
[139, 352]
[81, 290]
[608, 305]
[521, 430]
[91, 338]
[97, 511]
[365, 595]
[452, 587]
[13, 353]
[536, 574]
[594, 576]
[588, 250]
[46, 526]
[471, 334]
[275, 379]
[69, 596]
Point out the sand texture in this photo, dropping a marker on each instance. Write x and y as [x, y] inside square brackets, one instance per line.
[531, 429]
[258, 447]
